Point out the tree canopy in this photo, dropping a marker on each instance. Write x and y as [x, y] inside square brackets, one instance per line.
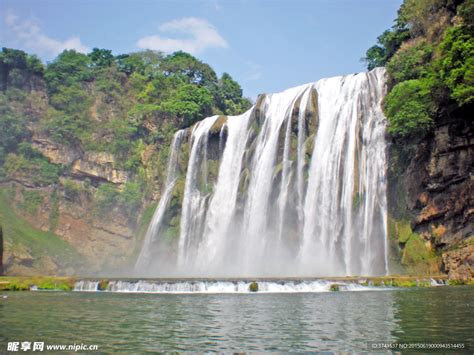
[106, 103]
[429, 56]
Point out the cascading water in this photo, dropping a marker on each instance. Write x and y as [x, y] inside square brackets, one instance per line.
[216, 286]
[294, 186]
[156, 222]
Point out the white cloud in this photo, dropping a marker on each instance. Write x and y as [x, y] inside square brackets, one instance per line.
[28, 35]
[199, 33]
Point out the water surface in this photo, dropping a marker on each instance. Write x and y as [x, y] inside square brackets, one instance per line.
[334, 321]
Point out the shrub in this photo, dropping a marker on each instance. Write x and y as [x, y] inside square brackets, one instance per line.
[122, 131]
[72, 189]
[106, 197]
[456, 64]
[31, 201]
[190, 103]
[388, 44]
[66, 128]
[410, 61]
[12, 130]
[131, 196]
[54, 213]
[68, 68]
[47, 173]
[409, 107]
[38, 169]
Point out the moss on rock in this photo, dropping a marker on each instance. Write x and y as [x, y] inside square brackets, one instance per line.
[404, 283]
[400, 230]
[418, 258]
[411, 250]
[103, 285]
[253, 287]
[20, 283]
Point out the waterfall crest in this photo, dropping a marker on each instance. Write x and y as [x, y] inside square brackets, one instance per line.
[294, 186]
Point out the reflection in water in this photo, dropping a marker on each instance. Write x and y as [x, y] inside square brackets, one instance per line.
[435, 316]
[336, 321]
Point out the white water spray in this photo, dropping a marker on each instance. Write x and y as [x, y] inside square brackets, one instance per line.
[300, 188]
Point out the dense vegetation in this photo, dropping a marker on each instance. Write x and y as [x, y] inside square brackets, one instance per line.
[128, 106]
[429, 56]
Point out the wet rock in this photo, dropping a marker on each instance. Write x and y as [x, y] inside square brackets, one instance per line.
[431, 186]
[103, 285]
[253, 287]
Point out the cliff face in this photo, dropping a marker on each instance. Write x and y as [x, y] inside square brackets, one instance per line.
[433, 192]
[102, 240]
[429, 107]
[67, 224]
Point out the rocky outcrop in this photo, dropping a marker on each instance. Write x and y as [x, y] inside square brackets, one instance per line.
[101, 243]
[18, 259]
[459, 263]
[436, 193]
[55, 152]
[99, 166]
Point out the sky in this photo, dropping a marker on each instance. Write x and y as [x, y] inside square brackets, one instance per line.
[267, 46]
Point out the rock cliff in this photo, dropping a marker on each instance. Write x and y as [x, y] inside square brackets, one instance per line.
[433, 192]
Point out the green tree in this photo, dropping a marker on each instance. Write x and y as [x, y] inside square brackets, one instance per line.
[195, 71]
[388, 44]
[66, 128]
[409, 107]
[66, 78]
[229, 89]
[455, 65]
[123, 133]
[67, 69]
[146, 63]
[12, 132]
[411, 61]
[17, 68]
[101, 58]
[190, 102]
[130, 63]
[375, 57]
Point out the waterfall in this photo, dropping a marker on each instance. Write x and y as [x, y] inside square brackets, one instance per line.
[218, 286]
[294, 186]
[157, 219]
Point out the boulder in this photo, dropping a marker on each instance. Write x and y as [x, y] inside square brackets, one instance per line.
[253, 287]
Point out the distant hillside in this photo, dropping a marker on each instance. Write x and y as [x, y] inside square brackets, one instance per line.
[83, 149]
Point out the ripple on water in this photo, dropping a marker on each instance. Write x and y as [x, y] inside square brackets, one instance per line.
[212, 322]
